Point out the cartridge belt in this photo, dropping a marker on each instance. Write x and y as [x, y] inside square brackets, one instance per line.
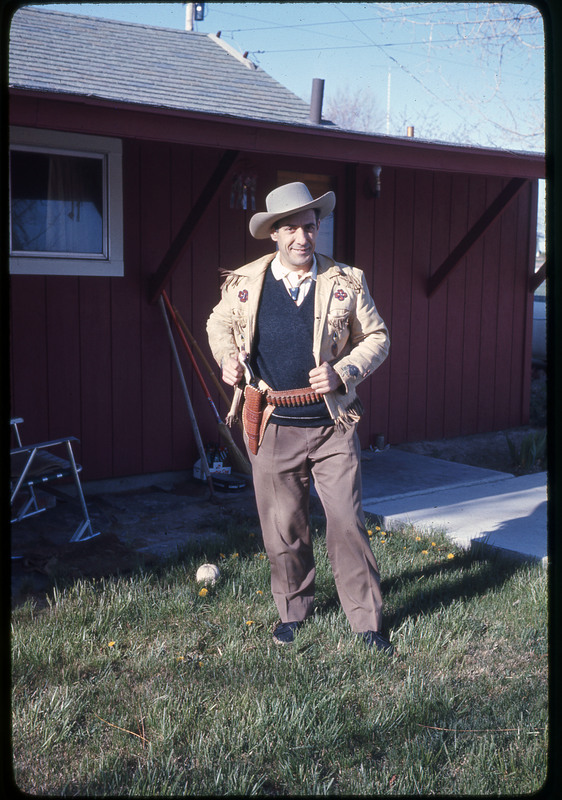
[293, 397]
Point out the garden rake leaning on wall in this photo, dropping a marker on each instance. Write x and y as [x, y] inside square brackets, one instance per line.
[240, 462]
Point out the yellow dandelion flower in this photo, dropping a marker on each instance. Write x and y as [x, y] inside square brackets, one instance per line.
[383, 541]
[433, 544]
[451, 555]
[181, 658]
[369, 532]
[235, 555]
[259, 591]
[111, 644]
[425, 552]
[249, 622]
[418, 538]
[222, 555]
[203, 592]
[377, 527]
[262, 555]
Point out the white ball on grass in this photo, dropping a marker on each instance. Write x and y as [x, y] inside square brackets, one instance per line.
[207, 573]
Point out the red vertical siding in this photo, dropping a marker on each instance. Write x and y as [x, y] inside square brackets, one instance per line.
[489, 320]
[155, 235]
[182, 190]
[28, 347]
[473, 283]
[454, 292]
[421, 266]
[401, 314]
[375, 243]
[194, 294]
[95, 398]
[506, 297]
[127, 297]
[437, 309]
[90, 356]
[456, 364]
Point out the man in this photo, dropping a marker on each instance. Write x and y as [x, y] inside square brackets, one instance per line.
[309, 331]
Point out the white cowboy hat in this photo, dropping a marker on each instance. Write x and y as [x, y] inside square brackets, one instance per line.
[285, 201]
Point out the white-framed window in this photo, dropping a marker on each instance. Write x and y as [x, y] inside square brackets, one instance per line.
[66, 203]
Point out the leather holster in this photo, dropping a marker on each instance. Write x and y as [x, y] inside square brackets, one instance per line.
[255, 416]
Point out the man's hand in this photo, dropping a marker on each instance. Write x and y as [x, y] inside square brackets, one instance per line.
[324, 379]
[232, 371]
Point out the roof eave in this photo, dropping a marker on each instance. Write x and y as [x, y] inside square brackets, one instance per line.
[259, 135]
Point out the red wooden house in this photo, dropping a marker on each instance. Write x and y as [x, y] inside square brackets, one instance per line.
[158, 131]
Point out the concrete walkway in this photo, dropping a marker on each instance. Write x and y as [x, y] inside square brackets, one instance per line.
[473, 506]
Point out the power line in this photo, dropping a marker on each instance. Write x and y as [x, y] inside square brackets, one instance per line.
[407, 71]
[441, 58]
[317, 24]
[433, 42]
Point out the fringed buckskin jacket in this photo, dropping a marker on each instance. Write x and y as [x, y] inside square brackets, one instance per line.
[348, 331]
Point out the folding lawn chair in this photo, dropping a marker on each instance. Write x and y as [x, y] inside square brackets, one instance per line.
[35, 467]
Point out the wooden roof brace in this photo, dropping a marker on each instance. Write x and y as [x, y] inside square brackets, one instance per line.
[478, 229]
[170, 261]
[538, 277]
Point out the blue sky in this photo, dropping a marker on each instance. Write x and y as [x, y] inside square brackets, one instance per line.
[438, 67]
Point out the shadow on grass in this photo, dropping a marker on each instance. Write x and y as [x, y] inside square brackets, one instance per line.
[456, 581]
[240, 533]
[436, 585]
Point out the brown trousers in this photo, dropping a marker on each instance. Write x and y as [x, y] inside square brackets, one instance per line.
[282, 469]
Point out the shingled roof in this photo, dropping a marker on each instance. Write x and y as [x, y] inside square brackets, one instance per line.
[58, 52]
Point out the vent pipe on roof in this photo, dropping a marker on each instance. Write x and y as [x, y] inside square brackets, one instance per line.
[194, 12]
[315, 116]
[189, 14]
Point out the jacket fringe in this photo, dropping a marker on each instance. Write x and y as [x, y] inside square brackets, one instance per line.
[229, 278]
[350, 415]
[347, 279]
[233, 414]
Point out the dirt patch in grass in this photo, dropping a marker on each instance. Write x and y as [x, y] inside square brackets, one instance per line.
[137, 529]
[36, 572]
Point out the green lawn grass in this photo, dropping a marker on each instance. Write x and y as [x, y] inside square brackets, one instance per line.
[141, 685]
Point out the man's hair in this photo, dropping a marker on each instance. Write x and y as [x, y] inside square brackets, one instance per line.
[281, 222]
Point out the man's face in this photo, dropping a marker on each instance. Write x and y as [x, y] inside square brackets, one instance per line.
[296, 239]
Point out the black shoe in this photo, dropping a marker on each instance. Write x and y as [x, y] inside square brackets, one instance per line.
[377, 641]
[284, 633]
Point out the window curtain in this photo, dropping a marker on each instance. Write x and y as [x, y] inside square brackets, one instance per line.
[74, 212]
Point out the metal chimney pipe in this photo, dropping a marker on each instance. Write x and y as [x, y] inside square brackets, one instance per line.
[410, 131]
[188, 16]
[315, 116]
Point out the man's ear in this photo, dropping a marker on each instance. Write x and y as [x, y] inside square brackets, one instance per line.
[274, 235]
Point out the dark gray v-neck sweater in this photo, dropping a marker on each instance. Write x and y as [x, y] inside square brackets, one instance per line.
[282, 353]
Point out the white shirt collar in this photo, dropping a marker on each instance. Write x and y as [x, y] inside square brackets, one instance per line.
[280, 272]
